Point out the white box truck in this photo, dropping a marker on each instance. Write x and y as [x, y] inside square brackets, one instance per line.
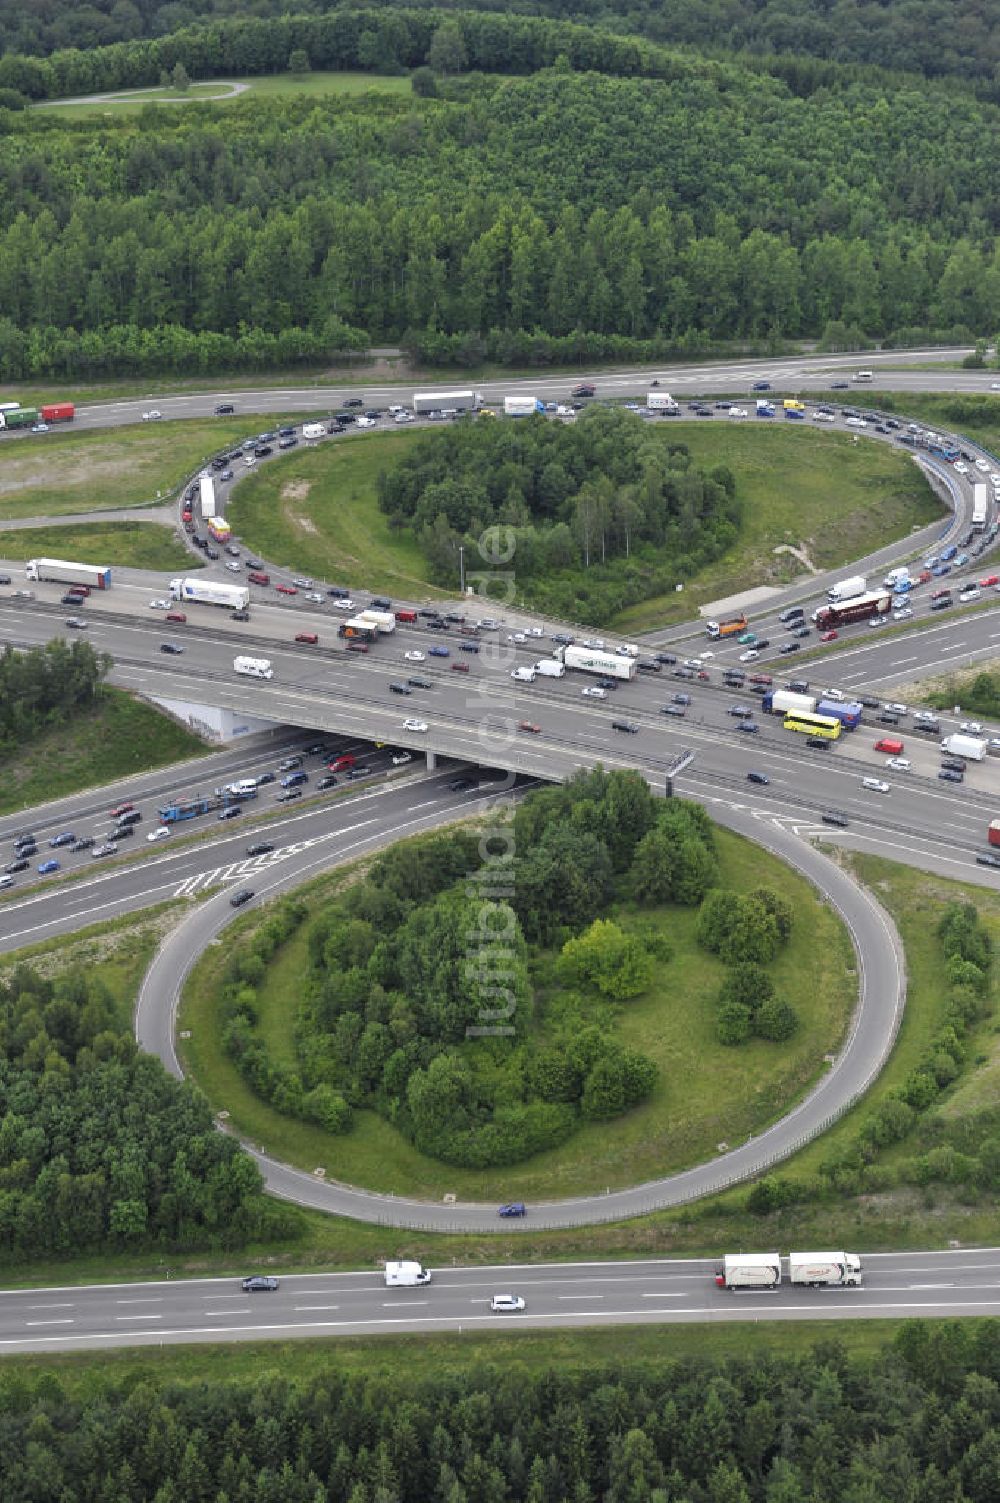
[313, 430]
[825, 1270]
[749, 1271]
[846, 589]
[406, 1275]
[522, 406]
[970, 747]
[661, 401]
[896, 576]
[253, 667]
[783, 700]
[448, 401]
[549, 668]
[384, 620]
[587, 660]
[211, 592]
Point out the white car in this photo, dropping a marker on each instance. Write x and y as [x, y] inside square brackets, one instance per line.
[994, 479]
[249, 460]
[596, 644]
[737, 412]
[960, 468]
[832, 694]
[902, 614]
[414, 656]
[159, 605]
[593, 692]
[39, 427]
[822, 417]
[898, 764]
[364, 422]
[856, 423]
[163, 833]
[414, 725]
[896, 709]
[875, 785]
[750, 656]
[316, 596]
[517, 636]
[404, 417]
[971, 727]
[535, 631]
[971, 593]
[151, 416]
[233, 566]
[343, 605]
[400, 758]
[706, 656]
[995, 386]
[503, 1303]
[982, 464]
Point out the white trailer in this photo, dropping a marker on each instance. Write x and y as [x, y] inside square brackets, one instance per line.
[384, 620]
[211, 592]
[980, 507]
[206, 493]
[846, 589]
[825, 1270]
[749, 1271]
[522, 406]
[783, 700]
[969, 747]
[93, 576]
[313, 430]
[549, 668]
[406, 1275]
[661, 401]
[609, 664]
[440, 401]
[253, 667]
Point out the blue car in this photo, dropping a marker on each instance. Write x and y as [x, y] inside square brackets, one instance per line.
[66, 838]
[748, 727]
[961, 561]
[438, 652]
[948, 553]
[294, 779]
[761, 386]
[513, 1208]
[47, 867]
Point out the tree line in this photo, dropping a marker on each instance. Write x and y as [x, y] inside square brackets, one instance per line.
[102, 1150]
[45, 686]
[515, 218]
[416, 1007]
[917, 1423]
[602, 512]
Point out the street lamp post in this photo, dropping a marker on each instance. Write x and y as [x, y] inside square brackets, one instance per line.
[461, 568]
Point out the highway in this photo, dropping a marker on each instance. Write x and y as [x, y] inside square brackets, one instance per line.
[457, 1300]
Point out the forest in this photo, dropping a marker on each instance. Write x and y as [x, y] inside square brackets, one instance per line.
[602, 512]
[519, 218]
[44, 686]
[918, 1423]
[419, 1007]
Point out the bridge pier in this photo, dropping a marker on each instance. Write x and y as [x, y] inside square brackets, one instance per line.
[432, 761]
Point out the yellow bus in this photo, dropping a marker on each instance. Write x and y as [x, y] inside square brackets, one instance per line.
[826, 726]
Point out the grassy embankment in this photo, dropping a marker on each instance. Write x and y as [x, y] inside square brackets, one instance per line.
[816, 491]
[127, 545]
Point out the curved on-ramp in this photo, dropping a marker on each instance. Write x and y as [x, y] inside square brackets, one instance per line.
[881, 995]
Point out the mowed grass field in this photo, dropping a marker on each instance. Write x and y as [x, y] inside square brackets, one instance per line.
[812, 490]
[58, 474]
[707, 1094]
[132, 545]
[221, 91]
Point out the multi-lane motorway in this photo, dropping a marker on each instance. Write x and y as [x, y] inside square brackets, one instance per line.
[928, 1284]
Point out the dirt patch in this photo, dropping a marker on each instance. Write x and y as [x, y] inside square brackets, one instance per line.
[296, 490]
[800, 554]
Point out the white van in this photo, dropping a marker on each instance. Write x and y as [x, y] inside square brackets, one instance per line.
[253, 667]
[245, 788]
[523, 675]
[864, 376]
[313, 430]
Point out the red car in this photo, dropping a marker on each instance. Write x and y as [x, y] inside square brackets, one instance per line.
[526, 725]
[829, 636]
[761, 678]
[937, 595]
[991, 579]
[120, 809]
[459, 667]
[175, 616]
[307, 636]
[584, 390]
[924, 576]
[286, 589]
[341, 763]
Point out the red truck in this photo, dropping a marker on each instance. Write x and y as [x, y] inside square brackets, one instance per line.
[861, 608]
[58, 412]
[993, 833]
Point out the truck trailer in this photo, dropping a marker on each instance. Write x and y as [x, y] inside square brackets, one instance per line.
[95, 577]
[847, 711]
[19, 417]
[780, 701]
[58, 412]
[384, 620]
[825, 1270]
[406, 1275]
[522, 406]
[980, 507]
[970, 747]
[847, 589]
[608, 664]
[442, 401]
[749, 1271]
[732, 626]
[206, 495]
[861, 608]
[210, 592]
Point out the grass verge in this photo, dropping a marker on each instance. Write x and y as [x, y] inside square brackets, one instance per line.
[315, 85]
[131, 545]
[118, 736]
[706, 1093]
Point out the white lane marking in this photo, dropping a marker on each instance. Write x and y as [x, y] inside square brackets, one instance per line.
[153, 1299]
[65, 1321]
[590, 1296]
[396, 1304]
[138, 1317]
[64, 1305]
[664, 1295]
[316, 1307]
[952, 647]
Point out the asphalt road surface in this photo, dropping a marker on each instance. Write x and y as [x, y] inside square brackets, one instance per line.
[649, 1292]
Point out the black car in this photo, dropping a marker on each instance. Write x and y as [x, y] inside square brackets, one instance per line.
[749, 726]
[888, 718]
[259, 1283]
[928, 727]
[419, 683]
[794, 613]
[336, 593]
[940, 605]
[16, 866]
[666, 657]
[834, 817]
[286, 432]
[172, 647]
[122, 832]
[236, 901]
[381, 604]
[468, 646]
[949, 775]
[254, 563]
[354, 402]
[72, 599]
[287, 443]
[223, 409]
[454, 618]
[327, 781]
[437, 624]
[801, 631]
[240, 616]
[758, 777]
[211, 553]
[818, 743]
[869, 701]
[400, 689]
[631, 727]
[787, 647]
[649, 666]
[763, 642]
[265, 777]
[289, 764]
[988, 859]
[952, 764]
[683, 673]
[83, 844]
[261, 848]
[607, 683]
[263, 451]
[801, 686]
[460, 785]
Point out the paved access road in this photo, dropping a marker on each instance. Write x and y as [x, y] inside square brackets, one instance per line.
[648, 1292]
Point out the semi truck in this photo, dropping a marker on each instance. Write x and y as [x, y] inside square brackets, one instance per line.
[406, 1275]
[780, 701]
[661, 401]
[93, 575]
[980, 507]
[384, 620]
[19, 417]
[442, 401]
[861, 608]
[58, 412]
[210, 592]
[732, 626]
[588, 660]
[522, 406]
[825, 1270]
[970, 747]
[749, 1271]
[253, 667]
[358, 630]
[847, 589]
[206, 494]
[848, 712]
